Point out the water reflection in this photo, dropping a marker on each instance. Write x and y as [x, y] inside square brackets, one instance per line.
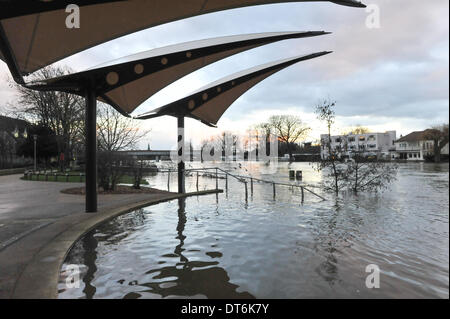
[185, 278]
[90, 256]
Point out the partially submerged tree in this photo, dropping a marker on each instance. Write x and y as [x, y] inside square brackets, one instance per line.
[357, 174]
[362, 175]
[440, 137]
[325, 113]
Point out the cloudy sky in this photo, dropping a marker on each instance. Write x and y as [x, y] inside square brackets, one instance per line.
[394, 77]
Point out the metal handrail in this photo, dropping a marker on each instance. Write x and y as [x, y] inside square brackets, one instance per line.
[243, 179]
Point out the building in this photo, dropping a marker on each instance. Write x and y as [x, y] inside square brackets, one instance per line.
[415, 147]
[368, 144]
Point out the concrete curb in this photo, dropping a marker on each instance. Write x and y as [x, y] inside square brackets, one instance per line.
[39, 278]
[12, 171]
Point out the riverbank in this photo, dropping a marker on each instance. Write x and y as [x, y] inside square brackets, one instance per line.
[39, 224]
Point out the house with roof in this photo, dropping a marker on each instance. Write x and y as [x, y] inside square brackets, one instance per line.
[415, 147]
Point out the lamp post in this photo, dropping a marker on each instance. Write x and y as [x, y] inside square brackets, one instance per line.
[35, 141]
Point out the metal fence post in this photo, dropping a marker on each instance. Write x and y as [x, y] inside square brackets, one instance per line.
[303, 194]
[274, 192]
[217, 180]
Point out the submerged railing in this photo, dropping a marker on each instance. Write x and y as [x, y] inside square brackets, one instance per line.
[217, 171]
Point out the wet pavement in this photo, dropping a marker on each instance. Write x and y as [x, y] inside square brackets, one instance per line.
[36, 218]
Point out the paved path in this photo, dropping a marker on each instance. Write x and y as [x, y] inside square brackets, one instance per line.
[38, 224]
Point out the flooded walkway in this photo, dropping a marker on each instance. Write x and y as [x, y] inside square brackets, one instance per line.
[38, 224]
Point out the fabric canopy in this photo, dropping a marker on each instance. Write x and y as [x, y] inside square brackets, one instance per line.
[127, 82]
[33, 34]
[210, 102]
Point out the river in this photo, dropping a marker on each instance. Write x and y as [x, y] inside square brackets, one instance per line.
[226, 247]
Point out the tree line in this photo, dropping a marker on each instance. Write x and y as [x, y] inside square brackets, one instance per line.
[58, 120]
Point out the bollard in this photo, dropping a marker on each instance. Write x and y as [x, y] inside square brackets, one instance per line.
[81, 177]
[56, 177]
[226, 182]
[67, 178]
[46, 177]
[251, 186]
[298, 175]
[291, 174]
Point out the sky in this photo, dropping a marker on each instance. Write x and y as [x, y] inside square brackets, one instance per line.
[391, 76]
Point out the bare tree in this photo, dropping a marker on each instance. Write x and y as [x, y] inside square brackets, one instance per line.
[362, 174]
[63, 113]
[289, 128]
[325, 113]
[116, 132]
[358, 173]
[226, 143]
[440, 136]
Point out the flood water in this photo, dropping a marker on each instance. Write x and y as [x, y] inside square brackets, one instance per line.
[226, 247]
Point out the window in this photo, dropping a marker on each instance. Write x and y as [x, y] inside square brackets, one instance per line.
[415, 155]
[371, 138]
[351, 139]
[410, 155]
[362, 138]
[338, 140]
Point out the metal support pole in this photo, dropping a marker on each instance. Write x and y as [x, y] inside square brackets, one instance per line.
[226, 182]
[91, 151]
[35, 140]
[251, 186]
[274, 193]
[181, 166]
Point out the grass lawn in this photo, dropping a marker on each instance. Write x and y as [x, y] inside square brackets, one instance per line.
[77, 179]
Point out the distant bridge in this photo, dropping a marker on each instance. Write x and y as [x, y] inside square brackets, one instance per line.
[148, 154]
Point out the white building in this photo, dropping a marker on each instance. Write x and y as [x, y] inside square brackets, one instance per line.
[369, 144]
[415, 147]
